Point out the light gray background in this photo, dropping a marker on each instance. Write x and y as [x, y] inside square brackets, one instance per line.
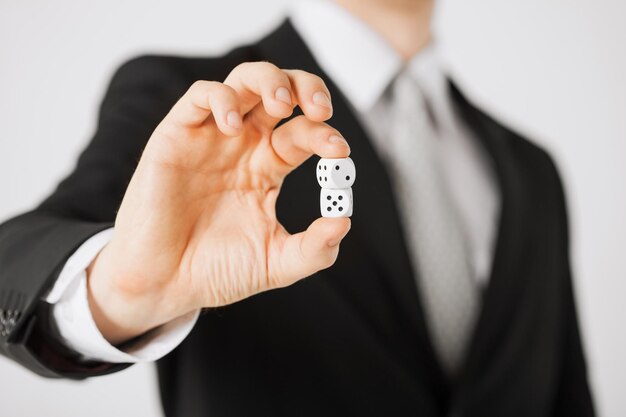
[555, 70]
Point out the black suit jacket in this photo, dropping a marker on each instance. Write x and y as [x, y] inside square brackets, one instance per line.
[350, 340]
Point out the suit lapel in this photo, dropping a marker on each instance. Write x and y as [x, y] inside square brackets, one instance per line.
[501, 298]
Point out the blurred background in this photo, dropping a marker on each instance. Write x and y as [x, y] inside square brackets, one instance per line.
[552, 69]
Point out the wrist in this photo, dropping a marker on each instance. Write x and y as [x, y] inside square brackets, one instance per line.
[119, 313]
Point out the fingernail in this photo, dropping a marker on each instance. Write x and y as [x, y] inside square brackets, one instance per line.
[321, 99]
[233, 119]
[338, 140]
[283, 95]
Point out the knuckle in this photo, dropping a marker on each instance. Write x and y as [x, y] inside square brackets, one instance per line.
[309, 77]
[265, 71]
[241, 67]
[299, 72]
[223, 91]
[316, 79]
[272, 71]
[240, 71]
[199, 85]
[203, 86]
[267, 66]
[217, 91]
[227, 89]
[262, 66]
[330, 132]
[321, 138]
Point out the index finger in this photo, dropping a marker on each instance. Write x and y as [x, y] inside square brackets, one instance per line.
[257, 82]
[312, 95]
[295, 141]
[203, 99]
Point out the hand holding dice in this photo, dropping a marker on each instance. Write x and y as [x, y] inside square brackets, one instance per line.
[197, 227]
[336, 177]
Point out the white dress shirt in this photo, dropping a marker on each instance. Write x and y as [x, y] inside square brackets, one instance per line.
[362, 64]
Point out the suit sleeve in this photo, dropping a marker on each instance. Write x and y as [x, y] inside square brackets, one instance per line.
[574, 397]
[35, 246]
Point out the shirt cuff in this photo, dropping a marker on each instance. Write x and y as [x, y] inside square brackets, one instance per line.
[79, 331]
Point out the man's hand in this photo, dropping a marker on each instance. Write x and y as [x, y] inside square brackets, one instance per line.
[197, 226]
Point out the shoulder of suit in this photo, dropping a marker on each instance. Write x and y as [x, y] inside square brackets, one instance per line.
[534, 161]
[186, 69]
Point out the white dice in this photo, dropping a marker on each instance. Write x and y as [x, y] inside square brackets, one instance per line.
[336, 173]
[336, 176]
[336, 203]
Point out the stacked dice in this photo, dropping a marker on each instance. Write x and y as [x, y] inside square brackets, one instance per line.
[336, 176]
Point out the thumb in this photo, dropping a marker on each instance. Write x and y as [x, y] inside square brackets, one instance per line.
[305, 253]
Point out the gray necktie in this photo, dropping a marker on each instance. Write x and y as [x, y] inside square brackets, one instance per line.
[449, 294]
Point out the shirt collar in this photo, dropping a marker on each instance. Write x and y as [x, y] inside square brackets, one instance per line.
[354, 56]
[363, 64]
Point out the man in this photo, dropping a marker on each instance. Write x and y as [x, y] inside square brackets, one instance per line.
[452, 294]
